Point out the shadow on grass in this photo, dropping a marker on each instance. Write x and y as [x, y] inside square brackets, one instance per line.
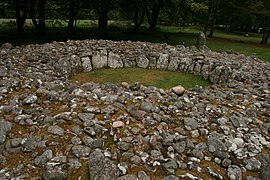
[60, 34]
[170, 35]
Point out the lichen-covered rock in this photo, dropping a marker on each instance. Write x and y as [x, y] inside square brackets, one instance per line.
[56, 168]
[142, 61]
[44, 113]
[143, 176]
[252, 164]
[234, 173]
[100, 59]
[173, 64]
[5, 127]
[57, 130]
[127, 177]
[86, 64]
[190, 123]
[100, 167]
[162, 62]
[3, 71]
[80, 151]
[114, 61]
[44, 158]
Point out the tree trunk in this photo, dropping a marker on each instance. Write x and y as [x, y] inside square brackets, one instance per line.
[103, 8]
[136, 17]
[71, 16]
[20, 7]
[212, 28]
[32, 14]
[42, 24]
[103, 21]
[138, 21]
[153, 17]
[208, 17]
[266, 31]
[39, 25]
[265, 37]
[213, 19]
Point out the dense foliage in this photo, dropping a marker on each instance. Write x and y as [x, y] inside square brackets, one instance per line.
[232, 15]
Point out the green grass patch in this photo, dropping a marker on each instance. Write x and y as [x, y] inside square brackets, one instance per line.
[222, 41]
[87, 29]
[148, 77]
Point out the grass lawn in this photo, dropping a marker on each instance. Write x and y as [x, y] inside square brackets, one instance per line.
[86, 29]
[157, 78]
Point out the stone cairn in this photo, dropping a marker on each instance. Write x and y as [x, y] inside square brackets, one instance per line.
[54, 128]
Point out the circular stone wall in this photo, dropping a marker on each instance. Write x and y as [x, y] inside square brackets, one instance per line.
[52, 127]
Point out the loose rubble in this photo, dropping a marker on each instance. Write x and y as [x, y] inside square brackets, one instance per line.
[55, 128]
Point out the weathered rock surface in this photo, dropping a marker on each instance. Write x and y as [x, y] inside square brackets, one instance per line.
[100, 167]
[179, 90]
[55, 128]
[56, 168]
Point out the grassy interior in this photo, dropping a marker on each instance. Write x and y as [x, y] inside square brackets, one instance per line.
[157, 78]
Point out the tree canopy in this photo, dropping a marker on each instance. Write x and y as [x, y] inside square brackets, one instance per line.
[232, 15]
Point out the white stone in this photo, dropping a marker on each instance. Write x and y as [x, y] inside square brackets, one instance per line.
[188, 176]
[179, 90]
[30, 99]
[122, 169]
[232, 148]
[186, 100]
[156, 163]
[117, 124]
[238, 141]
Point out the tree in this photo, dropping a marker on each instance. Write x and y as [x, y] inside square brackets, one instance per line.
[266, 30]
[262, 10]
[213, 6]
[139, 13]
[103, 8]
[134, 10]
[176, 12]
[21, 14]
[6, 9]
[73, 10]
[153, 8]
[38, 7]
[199, 11]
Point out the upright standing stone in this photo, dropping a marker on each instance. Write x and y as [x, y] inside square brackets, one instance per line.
[99, 59]
[201, 40]
[142, 61]
[162, 62]
[114, 61]
[86, 64]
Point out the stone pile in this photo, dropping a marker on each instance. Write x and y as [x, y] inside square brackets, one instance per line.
[53, 128]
